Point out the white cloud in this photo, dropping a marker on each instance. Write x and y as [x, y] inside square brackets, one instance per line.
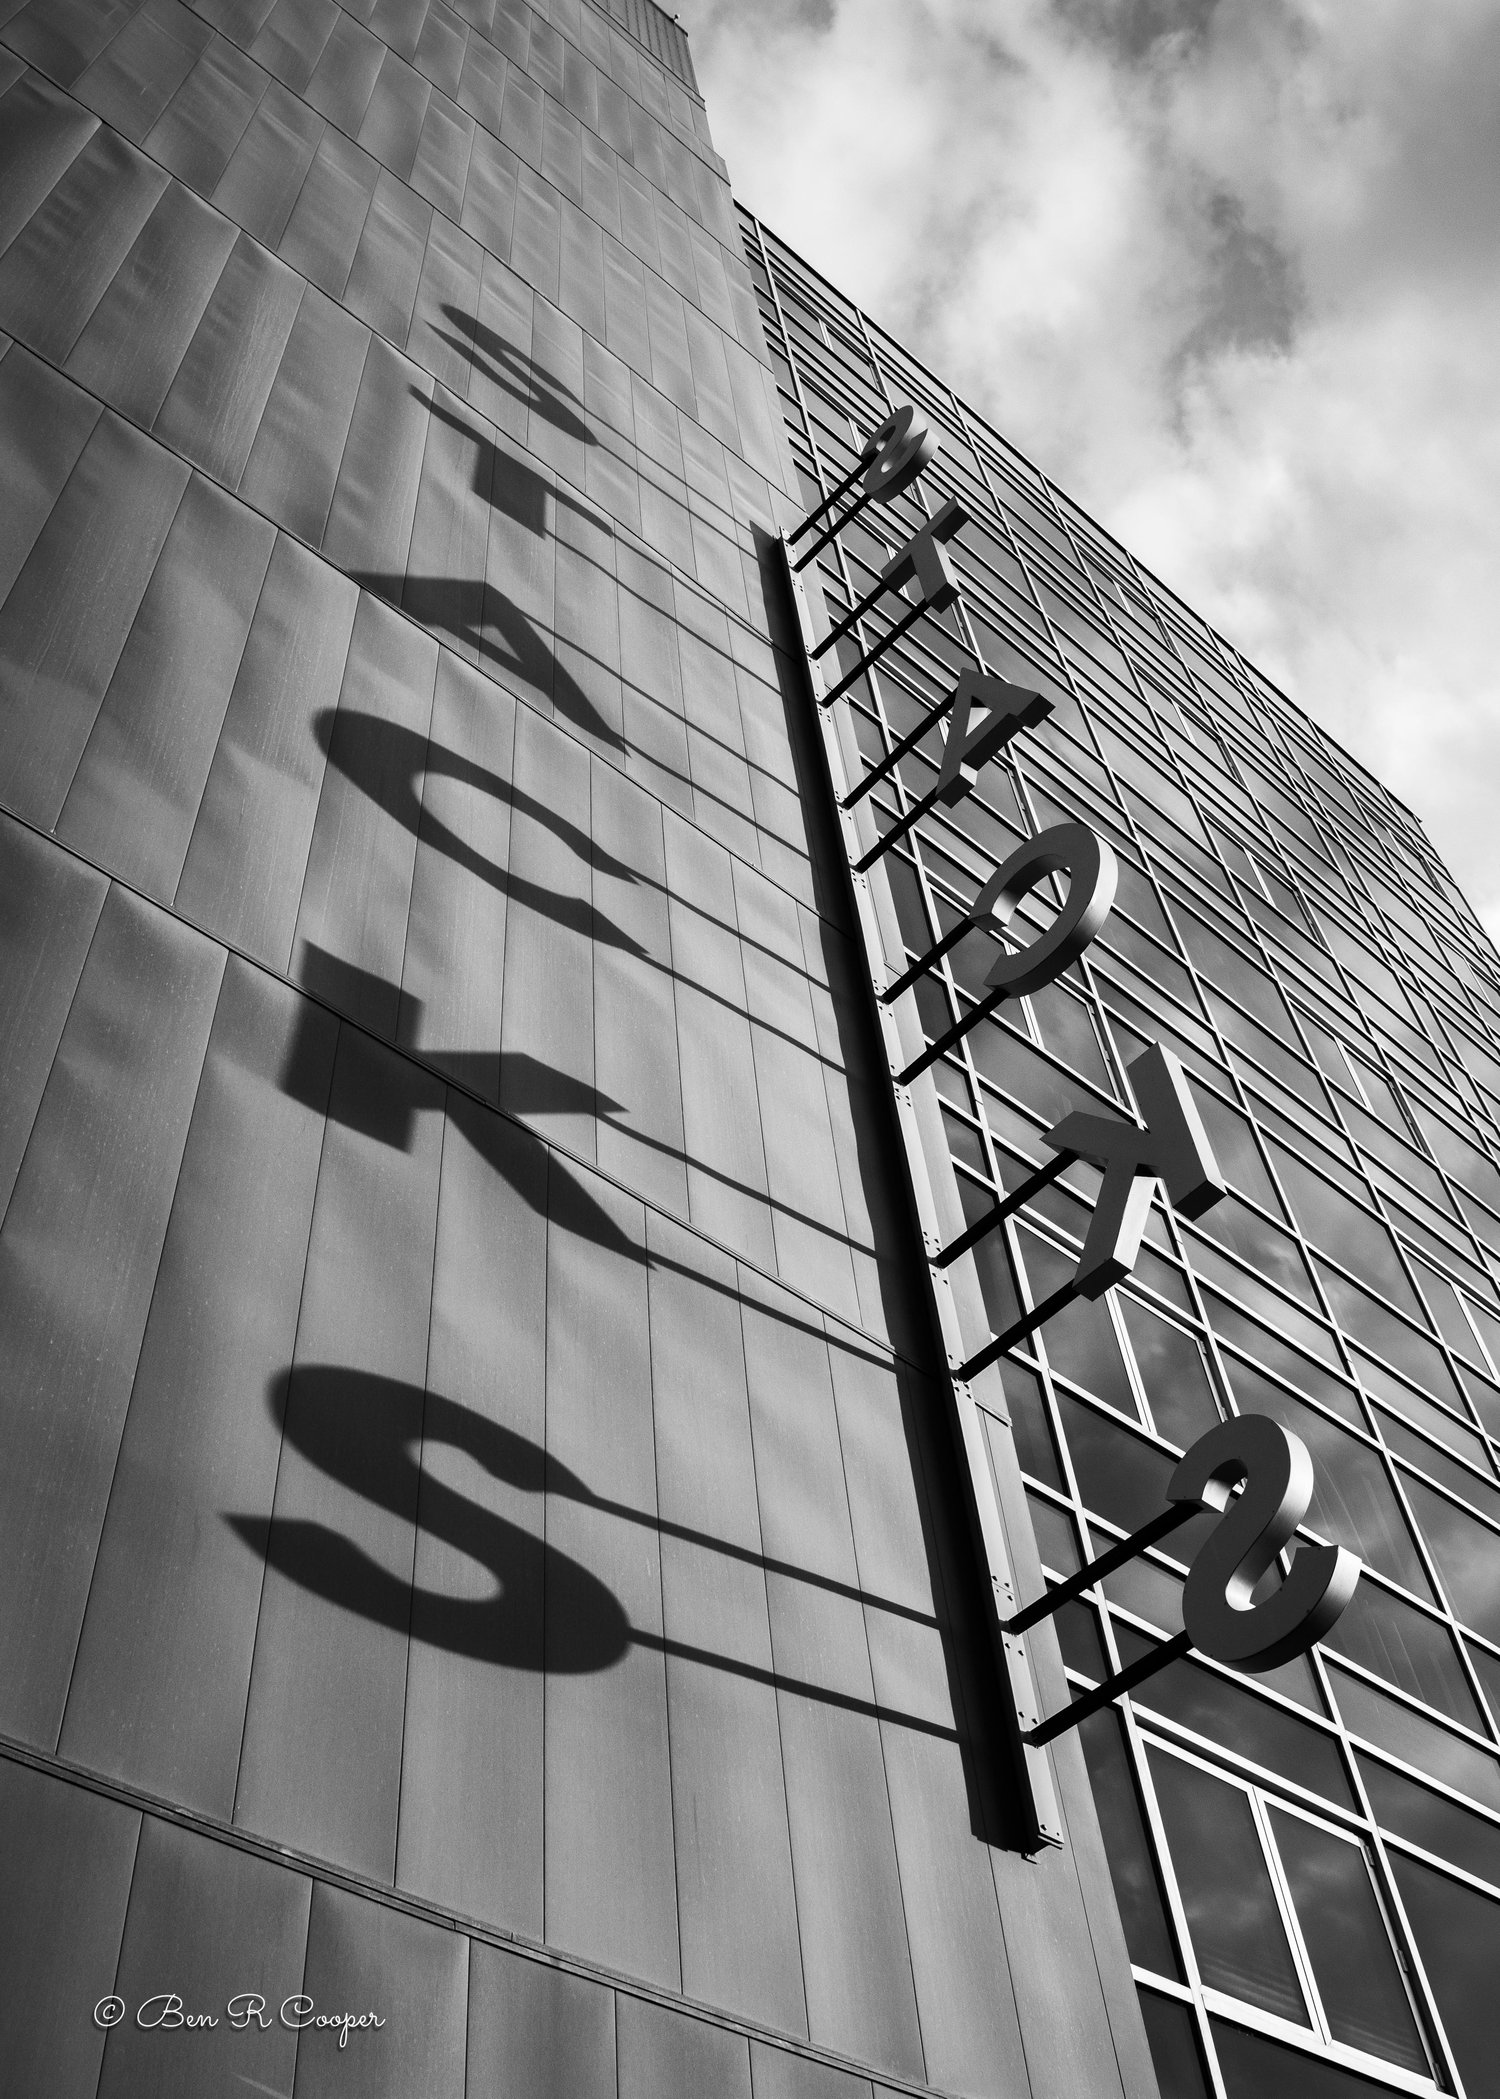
[1226, 269]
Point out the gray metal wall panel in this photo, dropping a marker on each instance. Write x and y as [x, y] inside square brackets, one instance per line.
[67, 618]
[374, 503]
[44, 426]
[245, 865]
[264, 174]
[740, 1938]
[802, 1177]
[451, 527]
[64, 35]
[219, 394]
[65, 1864]
[135, 797]
[391, 127]
[663, 2055]
[201, 1912]
[292, 39]
[452, 270]
[453, 970]
[199, 130]
[440, 172]
[133, 79]
[611, 1882]
[78, 1259]
[472, 1765]
[586, 640]
[721, 1119]
[41, 134]
[55, 271]
[321, 1763]
[382, 286]
[500, 369]
[344, 77]
[423, 1975]
[722, 795]
[489, 212]
[547, 1049]
[638, 1133]
[351, 927]
[49, 907]
[158, 1691]
[856, 1962]
[440, 47]
[137, 334]
[775, 2073]
[294, 462]
[538, 2032]
[651, 677]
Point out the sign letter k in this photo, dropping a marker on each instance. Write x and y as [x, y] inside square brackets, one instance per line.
[1173, 1148]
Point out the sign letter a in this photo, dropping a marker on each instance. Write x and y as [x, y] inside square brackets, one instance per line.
[1173, 1148]
[986, 714]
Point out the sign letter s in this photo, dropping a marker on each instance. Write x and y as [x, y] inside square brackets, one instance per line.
[897, 452]
[1217, 1612]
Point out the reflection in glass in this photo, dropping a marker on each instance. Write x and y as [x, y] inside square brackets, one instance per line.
[1416, 1739]
[1173, 1374]
[1457, 1932]
[1029, 1424]
[1408, 1649]
[1260, 1732]
[1077, 1626]
[1467, 1555]
[1081, 1340]
[1056, 1539]
[1353, 1962]
[1175, 2056]
[1431, 1821]
[1232, 1914]
[1255, 2068]
[1148, 1590]
[1132, 1867]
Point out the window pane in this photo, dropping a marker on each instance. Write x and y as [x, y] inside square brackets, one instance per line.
[1426, 1818]
[1029, 1424]
[1468, 1557]
[1408, 1649]
[1353, 1963]
[1255, 2068]
[1123, 1477]
[1231, 1909]
[1256, 1729]
[1173, 1373]
[1415, 1739]
[1458, 1936]
[1174, 2047]
[1132, 1866]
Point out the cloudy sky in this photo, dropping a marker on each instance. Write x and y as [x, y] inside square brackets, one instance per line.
[1225, 269]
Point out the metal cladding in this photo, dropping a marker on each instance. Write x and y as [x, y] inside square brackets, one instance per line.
[485, 1596]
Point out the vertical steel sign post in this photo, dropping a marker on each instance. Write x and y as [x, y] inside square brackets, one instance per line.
[1250, 1473]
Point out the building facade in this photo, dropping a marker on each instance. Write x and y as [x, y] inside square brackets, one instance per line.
[488, 1594]
[1307, 1862]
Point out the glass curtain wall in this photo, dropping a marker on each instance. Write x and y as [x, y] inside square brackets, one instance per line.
[1308, 1863]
